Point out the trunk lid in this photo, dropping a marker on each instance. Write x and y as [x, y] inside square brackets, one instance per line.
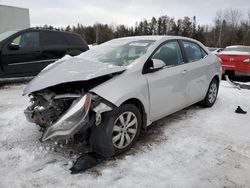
[235, 61]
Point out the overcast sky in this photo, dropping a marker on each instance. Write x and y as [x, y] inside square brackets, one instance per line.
[88, 12]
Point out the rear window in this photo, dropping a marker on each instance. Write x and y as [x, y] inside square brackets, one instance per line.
[193, 51]
[237, 49]
[53, 39]
[74, 40]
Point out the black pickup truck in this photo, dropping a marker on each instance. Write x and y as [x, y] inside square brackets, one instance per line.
[26, 52]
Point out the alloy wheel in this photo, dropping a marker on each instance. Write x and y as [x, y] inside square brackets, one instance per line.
[212, 93]
[125, 129]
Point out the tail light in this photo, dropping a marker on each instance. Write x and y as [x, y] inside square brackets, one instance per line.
[246, 61]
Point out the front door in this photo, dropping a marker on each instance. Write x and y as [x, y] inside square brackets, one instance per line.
[167, 86]
[26, 59]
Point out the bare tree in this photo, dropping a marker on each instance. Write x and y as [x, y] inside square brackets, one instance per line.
[219, 23]
[247, 25]
[233, 17]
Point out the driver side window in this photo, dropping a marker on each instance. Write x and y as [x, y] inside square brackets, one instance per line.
[27, 40]
[169, 53]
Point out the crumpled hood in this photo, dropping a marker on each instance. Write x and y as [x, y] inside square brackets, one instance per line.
[70, 69]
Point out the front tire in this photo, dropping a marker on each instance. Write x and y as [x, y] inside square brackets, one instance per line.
[126, 127]
[211, 95]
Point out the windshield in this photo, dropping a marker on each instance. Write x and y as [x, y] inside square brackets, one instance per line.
[6, 35]
[120, 52]
[237, 49]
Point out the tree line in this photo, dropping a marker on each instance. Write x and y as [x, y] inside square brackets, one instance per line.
[230, 28]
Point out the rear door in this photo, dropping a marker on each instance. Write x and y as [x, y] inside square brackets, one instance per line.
[26, 59]
[53, 46]
[198, 71]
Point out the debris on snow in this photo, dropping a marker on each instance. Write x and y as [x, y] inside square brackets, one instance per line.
[240, 111]
[85, 162]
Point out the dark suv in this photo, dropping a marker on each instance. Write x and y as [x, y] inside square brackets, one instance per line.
[27, 52]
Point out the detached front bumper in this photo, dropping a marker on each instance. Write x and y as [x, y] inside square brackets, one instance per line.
[76, 118]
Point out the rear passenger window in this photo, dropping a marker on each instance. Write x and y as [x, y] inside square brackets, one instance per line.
[193, 51]
[53, 39]
[74, 40]
[204, 53]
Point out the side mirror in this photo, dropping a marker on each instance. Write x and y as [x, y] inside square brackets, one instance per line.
[158, 64]
[14, 46]
[155, 65]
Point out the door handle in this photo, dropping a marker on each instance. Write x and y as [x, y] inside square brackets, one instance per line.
[183, 72]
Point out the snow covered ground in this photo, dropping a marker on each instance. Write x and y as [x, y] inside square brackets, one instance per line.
[195, 147]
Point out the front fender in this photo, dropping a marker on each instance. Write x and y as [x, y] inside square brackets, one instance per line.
[124, 87]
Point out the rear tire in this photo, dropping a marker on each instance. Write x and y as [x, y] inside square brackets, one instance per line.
[126, 127]
[211, 95]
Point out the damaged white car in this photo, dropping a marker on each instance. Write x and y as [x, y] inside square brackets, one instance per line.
[107, 95]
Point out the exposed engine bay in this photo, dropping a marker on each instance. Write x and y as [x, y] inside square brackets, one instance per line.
[48, 107]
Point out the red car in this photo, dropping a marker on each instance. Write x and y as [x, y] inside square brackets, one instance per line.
[236, 60]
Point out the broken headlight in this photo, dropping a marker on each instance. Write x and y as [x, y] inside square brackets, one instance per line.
[75, 118]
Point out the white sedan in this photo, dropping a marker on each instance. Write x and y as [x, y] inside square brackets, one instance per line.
[106, 95]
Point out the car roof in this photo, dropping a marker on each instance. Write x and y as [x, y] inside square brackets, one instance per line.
[49, 30]
[154, 37]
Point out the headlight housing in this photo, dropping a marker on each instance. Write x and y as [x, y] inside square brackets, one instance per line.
[72, 121]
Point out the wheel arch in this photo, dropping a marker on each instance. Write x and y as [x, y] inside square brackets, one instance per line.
[217, 78]
[141, 108]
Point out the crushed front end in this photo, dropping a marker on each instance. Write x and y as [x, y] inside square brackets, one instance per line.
[77, 115]
[59, 116]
